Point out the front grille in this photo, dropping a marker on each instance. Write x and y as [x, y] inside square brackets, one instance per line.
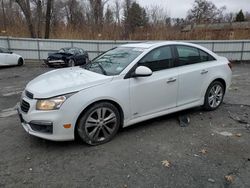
[25, 106]
[29, 94]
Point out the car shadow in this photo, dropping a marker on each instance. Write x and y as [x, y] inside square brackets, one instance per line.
[42, 143]
[9, 66]
[172, 116]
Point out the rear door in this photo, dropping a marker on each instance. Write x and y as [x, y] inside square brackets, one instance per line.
[193, 67]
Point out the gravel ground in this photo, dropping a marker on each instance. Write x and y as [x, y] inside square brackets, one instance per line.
[213, 151]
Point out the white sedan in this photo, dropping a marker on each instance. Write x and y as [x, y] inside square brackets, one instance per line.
[124, 86]
[9, 58]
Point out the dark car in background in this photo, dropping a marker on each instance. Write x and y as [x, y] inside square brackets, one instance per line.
[68, 57]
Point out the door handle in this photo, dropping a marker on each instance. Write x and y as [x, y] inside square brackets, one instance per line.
[204, 71]
[170, 80]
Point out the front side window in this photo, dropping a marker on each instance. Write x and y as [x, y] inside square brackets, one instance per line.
[113, 62]
[158, 59]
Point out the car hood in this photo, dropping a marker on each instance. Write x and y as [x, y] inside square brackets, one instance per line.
[63, 81]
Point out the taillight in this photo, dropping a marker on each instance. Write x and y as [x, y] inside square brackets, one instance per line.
[230, 65]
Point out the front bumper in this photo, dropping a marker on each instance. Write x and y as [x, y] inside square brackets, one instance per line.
[55, 62]
[45, 124]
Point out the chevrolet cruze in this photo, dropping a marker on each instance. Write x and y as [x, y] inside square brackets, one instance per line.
[124, 86]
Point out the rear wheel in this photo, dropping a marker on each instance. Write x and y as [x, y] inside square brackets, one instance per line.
[99, 123]
[214, 95]
[20, 62]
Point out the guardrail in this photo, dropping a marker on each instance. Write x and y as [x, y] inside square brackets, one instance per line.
[38, 49]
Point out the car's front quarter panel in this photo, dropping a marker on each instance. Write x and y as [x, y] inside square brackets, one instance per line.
[116, 91]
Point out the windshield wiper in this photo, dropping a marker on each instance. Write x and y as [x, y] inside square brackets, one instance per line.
[89, 65]
[102, 69]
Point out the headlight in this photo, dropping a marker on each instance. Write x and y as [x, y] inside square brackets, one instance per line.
[52, 103]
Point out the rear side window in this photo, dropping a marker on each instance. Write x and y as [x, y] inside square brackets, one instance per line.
[158, 59]
[189, 55]
[205, 56]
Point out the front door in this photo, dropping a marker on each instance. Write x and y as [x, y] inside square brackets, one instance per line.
[157, 92]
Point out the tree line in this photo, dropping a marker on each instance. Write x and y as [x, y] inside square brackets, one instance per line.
[104, 19]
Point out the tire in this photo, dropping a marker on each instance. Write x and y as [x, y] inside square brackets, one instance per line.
[214, 96]
[92, 127]
[20, 62]
[71, 63]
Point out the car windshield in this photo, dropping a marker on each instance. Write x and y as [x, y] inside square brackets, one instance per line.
[67, 50]
[113, 62]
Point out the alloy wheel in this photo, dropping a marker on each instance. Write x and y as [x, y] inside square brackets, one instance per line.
[215, 96]
[100, 124]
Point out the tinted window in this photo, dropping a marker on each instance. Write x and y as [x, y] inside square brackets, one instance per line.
[205, 56]
[190, 55]
[158, 59]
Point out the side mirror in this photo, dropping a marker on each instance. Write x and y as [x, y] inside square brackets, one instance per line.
[142, 71]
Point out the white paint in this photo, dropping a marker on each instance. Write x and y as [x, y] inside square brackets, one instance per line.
[140, 98]
[9, 59]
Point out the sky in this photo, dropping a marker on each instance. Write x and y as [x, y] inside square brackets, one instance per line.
[179, 8]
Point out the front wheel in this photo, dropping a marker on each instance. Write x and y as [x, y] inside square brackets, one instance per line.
[99, 123]
[71, 63]
[214, 96]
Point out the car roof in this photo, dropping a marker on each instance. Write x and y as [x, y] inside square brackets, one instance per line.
[67, 48]
[152, 44]
[155, 44]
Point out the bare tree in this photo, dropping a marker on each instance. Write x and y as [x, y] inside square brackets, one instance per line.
[118, 9]
[229, 17]
[25, 7]
[39, 17]
[157, 15]
[48, 18]
[74, 13]
[4, 16]
[97, 9]
[109, 16]
[204, 11]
